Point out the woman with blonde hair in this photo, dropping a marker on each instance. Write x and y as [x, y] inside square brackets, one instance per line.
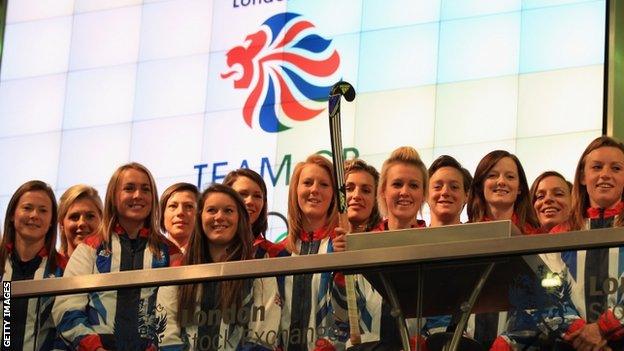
[79, 216]
[130, 240]
[27, 252]
[402, 189]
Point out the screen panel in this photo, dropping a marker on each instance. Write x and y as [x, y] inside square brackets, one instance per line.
[194, 89]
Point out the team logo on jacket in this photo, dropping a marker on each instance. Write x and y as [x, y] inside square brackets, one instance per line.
[287, 70]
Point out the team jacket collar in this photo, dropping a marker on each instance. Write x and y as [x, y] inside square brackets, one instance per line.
[596, 212]
[318, 234]
[42, 253]
[143, 232]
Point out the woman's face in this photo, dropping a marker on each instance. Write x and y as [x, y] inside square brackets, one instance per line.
[314, 192]
[502, 184]
[133, 196]
[219, 219]
[360, 187]
[252, 196]
[404, 191]
[603, 176]
[179, 215]
[446, 194]
[33, 216]
[82, 220]
[552, 202]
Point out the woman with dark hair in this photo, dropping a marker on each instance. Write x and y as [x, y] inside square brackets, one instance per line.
[223, 235]
[252, 189]
[361, 182]
[449, 184]
[500, 191]
[178, 209]
[130, 240]
[28, 252]
[536, 329]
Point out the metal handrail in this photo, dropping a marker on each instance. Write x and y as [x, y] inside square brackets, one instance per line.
[353, 261]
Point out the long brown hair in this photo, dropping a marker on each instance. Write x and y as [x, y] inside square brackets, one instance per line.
[406, 155]
[477, 206]
[580, 197]
[295, 216]
[358, 165]
[111, 212]
[9, 225]
[198, 252]
[71, 195]
[260, 226]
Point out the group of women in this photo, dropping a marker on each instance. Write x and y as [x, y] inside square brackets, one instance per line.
[132, 230]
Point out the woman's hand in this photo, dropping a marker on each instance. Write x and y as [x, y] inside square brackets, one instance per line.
[588, 338]
[340, 240]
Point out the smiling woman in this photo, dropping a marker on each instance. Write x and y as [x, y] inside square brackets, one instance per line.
[28, 252]
[449, 184]
[80, 216]
[500, 191]
[223, 235]
[596, 203]
[402, 189]
[129, 241]
[361, 181]
[312, 222]
[551, 195]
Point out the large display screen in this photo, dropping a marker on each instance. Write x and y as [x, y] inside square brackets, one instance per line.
[196, 88]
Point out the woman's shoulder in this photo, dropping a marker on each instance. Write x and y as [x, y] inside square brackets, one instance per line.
[93, 241]
[267, 248]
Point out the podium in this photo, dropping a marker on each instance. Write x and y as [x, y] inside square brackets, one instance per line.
[444, 288]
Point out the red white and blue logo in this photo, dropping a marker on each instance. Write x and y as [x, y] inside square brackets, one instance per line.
[287, 69]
